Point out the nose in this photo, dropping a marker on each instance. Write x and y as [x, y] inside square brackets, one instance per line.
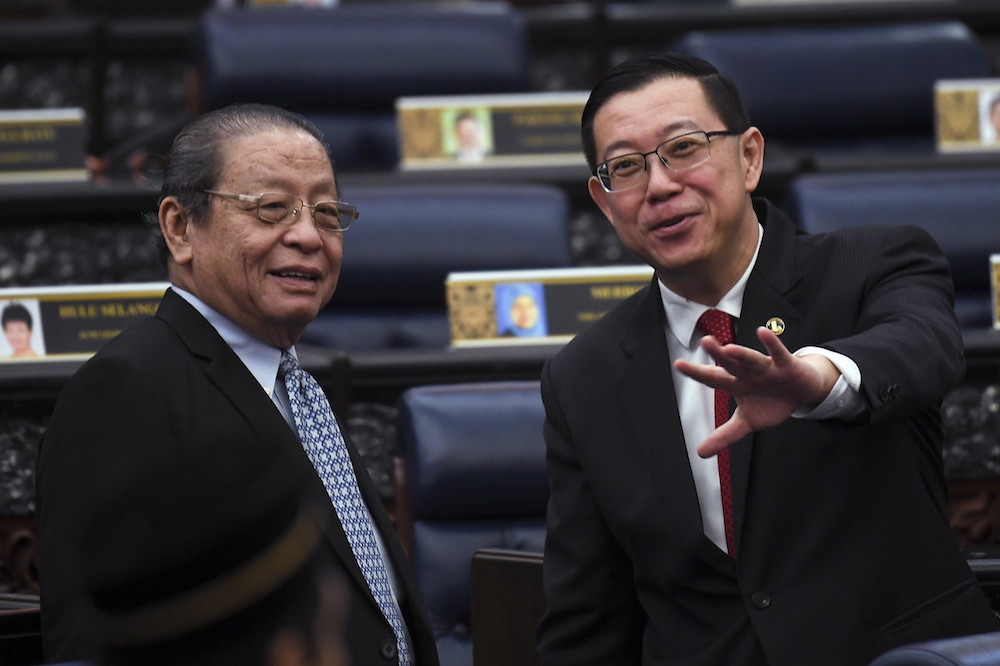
[303, 232]
[660, 177]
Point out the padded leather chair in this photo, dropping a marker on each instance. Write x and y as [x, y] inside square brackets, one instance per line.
[344, 67]
[959, 207]
[471, 476]
[843, 92]
[977, 650]
[397, 255]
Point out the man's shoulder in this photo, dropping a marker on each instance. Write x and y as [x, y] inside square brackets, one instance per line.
[869, 235]
[149, 345]
[604, 336]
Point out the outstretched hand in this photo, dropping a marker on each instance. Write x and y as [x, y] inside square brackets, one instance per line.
[768, 388]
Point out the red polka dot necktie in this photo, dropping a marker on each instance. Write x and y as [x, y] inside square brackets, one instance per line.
[720, 325]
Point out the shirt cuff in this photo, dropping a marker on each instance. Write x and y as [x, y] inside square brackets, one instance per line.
[844, 400]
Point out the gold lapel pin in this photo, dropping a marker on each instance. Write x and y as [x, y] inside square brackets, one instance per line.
[776, 325]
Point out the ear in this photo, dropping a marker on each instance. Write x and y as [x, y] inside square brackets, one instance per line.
[752, 146]
[600, 197]
[174, 221]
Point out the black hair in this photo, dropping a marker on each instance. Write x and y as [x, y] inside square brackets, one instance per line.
[15, 312]
[720, 90]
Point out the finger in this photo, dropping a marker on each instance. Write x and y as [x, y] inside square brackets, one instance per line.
[723, 437]
[775, 348]
[710, 375]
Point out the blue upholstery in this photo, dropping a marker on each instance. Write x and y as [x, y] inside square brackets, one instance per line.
[408, 238]
[977, 650]
[959, 207]
[840, 90]
[344, 67]
[473, 477]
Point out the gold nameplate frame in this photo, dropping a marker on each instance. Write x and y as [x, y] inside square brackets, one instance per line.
[532, 307]
[44, 145]
[64, 323]
[527, 129]
[968, 115]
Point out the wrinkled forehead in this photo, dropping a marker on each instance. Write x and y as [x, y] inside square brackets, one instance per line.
[276, 157]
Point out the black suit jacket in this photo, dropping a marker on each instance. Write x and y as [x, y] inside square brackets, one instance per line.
[844, 549]
[168, 385]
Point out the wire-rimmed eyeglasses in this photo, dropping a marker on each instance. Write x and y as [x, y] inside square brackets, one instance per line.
[280, 208]
[678, 153]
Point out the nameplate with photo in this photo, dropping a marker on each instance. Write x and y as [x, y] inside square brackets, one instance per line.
[533, 307]
[63, 323]
[450, 132]
[42, 145]
[968, 115]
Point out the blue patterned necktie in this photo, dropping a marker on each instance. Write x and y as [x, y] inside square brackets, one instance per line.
[323, 443]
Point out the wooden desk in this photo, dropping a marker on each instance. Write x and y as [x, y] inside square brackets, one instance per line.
[507, 603]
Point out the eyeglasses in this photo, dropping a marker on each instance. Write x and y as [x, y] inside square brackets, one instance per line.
[278, 208]
[677, 154]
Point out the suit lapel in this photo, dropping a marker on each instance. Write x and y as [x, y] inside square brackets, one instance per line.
[765, 300]
[225, 370]
[646, 390]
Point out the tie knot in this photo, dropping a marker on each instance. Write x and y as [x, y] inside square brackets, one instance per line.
[288, 365]
[717, 324]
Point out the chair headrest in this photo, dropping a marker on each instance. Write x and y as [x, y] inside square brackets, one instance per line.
[360, 56]
[481, 442]
[811, 82]
[959, 207]
[408, 238]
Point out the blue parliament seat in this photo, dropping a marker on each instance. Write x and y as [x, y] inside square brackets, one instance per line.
[976, 650]
[959, 208]
[345, 66]
[843, 93]
[409, 237]
[471, 476]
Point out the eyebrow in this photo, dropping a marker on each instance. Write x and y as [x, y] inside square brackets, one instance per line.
[624, 147]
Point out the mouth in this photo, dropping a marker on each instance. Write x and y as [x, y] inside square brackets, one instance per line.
[298, 275]
[668, 223]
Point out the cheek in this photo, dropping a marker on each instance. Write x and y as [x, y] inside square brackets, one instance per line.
[334, 250]
[623, 210]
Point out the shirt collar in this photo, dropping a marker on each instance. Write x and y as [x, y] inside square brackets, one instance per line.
[260, 358]
[683, 314]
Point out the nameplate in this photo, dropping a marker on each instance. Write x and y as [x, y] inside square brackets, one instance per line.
[42, 145]
[528, 129]
[968, 115]
[995, 289]
[60, 323]
[535, 307]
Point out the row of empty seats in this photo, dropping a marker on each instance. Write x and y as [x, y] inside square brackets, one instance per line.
[836, 96]
[833, 93]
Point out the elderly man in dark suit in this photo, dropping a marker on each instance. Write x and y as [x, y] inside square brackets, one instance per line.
[806, 526]
[251, 219]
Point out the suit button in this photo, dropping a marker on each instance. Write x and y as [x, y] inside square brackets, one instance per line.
[387, 648]
[761, 599]
[889, 392]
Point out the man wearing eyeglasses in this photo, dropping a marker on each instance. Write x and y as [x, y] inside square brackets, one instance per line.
[777, 500]
[252, 227]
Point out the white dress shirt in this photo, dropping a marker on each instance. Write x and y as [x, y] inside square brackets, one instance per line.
[696, 402]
